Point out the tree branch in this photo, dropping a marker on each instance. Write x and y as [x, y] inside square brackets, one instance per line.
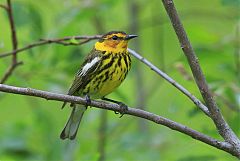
[4, 7]
[14, 63]
[223, 128]
[50, 41]
[9, 71]
[135, 54]
[197, 102]
[131, 111]
[13, 30]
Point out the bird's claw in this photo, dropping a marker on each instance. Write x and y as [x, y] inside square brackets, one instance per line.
[122, 106]
[88, 100]
[123, 109]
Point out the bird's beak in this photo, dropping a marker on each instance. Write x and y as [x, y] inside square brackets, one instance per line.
[128, 37]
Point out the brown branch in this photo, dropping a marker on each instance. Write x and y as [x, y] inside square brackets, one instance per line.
[131, 111]
[50, 41]
[14, 63]
[4, 7]
[223, 128]
[61, 41]
[185, 74]
[9, 71]
[13, 30]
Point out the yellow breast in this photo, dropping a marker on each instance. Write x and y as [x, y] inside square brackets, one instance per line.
[108, 79]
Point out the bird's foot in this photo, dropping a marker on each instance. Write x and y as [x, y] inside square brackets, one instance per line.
[88, 100]
[123, 109]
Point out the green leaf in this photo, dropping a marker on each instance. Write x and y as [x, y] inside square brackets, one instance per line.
[73, 40]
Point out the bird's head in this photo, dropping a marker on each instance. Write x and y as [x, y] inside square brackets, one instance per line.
[115, 41]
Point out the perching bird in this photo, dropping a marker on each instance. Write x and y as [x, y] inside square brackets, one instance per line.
[103, 70]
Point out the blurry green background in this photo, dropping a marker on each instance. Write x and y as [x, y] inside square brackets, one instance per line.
[30, 127]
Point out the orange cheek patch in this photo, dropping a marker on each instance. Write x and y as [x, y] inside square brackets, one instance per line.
[111, 44]
[124, 46]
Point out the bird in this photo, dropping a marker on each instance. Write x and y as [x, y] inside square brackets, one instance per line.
[101, 72]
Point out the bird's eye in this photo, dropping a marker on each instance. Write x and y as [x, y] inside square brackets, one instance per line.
[114, 37]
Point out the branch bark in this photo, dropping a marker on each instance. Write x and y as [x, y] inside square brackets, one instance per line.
[131, 111]
[60, 41]
[197, 102]
[14, 63]
[4, 7]
[12, 25]
[223, 128]
[9, 71]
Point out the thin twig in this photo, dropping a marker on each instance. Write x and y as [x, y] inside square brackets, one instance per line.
[131, 111]
[13, 30]
[223, 128]
[14, 63]
[50, 41]
[9, 71]
[172, 81]
[4, 7]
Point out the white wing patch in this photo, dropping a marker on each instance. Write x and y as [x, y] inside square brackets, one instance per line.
[89, 65]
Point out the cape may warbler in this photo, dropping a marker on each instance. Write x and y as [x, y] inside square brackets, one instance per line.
[102, 72]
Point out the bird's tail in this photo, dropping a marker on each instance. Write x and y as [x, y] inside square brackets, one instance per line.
[71, 128]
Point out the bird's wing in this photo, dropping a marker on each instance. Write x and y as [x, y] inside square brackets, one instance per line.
[87, 70]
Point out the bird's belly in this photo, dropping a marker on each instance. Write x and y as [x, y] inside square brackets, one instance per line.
[108, 84]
